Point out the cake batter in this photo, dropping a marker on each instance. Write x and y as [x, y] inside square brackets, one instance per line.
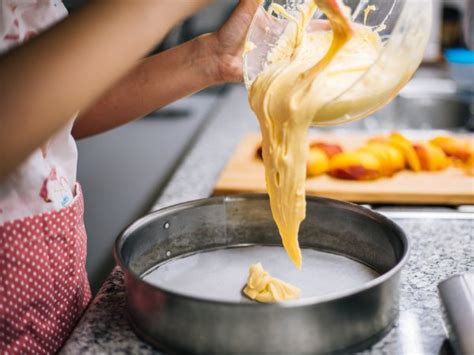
[305, 72]
[264, 288]
[327, 77]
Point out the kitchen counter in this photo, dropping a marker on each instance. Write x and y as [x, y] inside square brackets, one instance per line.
[440, 248]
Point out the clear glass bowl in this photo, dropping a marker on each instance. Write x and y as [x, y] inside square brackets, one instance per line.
[407, 27]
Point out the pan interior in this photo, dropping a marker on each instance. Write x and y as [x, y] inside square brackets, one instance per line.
[221, 274]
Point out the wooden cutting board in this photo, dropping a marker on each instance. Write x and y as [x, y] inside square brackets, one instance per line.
[245, 174]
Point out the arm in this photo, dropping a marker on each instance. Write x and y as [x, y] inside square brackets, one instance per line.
[153, 83]
[44, 82]
[158, 80]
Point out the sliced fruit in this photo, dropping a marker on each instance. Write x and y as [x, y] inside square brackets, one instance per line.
[330, 149]
[469, 166]
[382, 156]
[355, 166]
[399, 142]
[318, 162]
[391, 160]
[397, 158]
[432, 158]
[455, 148]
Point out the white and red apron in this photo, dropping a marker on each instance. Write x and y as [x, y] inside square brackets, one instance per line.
[43, 282]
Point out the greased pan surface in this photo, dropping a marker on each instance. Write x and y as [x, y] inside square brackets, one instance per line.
[341, 241]
[220, 274]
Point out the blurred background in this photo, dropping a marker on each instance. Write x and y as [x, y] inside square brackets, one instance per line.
[447, 31]
[121, 180]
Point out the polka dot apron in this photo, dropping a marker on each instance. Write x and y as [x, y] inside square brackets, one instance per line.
[43, 282]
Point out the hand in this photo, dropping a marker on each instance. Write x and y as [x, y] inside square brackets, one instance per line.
[227, 44]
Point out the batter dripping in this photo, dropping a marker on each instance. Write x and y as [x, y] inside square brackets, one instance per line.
[305, 72]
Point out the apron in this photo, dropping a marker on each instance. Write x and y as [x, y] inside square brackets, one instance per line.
[43, 282]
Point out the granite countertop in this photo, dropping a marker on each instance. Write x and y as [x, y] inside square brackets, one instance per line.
[440, 248]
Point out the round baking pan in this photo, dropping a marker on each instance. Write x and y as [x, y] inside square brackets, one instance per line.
[185, 267]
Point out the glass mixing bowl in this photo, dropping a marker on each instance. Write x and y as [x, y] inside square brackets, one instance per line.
[404, 27]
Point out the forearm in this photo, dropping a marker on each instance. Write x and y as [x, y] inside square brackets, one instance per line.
[153, 83]
[44, 82]
[159, 80]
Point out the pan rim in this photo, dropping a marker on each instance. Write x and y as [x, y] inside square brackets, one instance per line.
[307, 301]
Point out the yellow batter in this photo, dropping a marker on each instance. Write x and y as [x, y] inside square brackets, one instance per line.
[264, 288]
[367, 11]
[307, 71]
[248, 47]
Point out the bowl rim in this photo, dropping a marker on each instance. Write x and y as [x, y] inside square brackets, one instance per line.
[368, 213]
[397, 28]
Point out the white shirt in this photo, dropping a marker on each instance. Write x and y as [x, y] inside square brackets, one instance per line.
[45, 181]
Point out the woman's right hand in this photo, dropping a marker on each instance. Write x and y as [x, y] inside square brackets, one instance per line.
[227, 44]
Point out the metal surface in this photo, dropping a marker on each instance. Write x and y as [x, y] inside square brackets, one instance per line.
[430, 101]
[421, 112]
[351, 319]
[209, 275]
[457, 298]
[433, 111]
[452, 215]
